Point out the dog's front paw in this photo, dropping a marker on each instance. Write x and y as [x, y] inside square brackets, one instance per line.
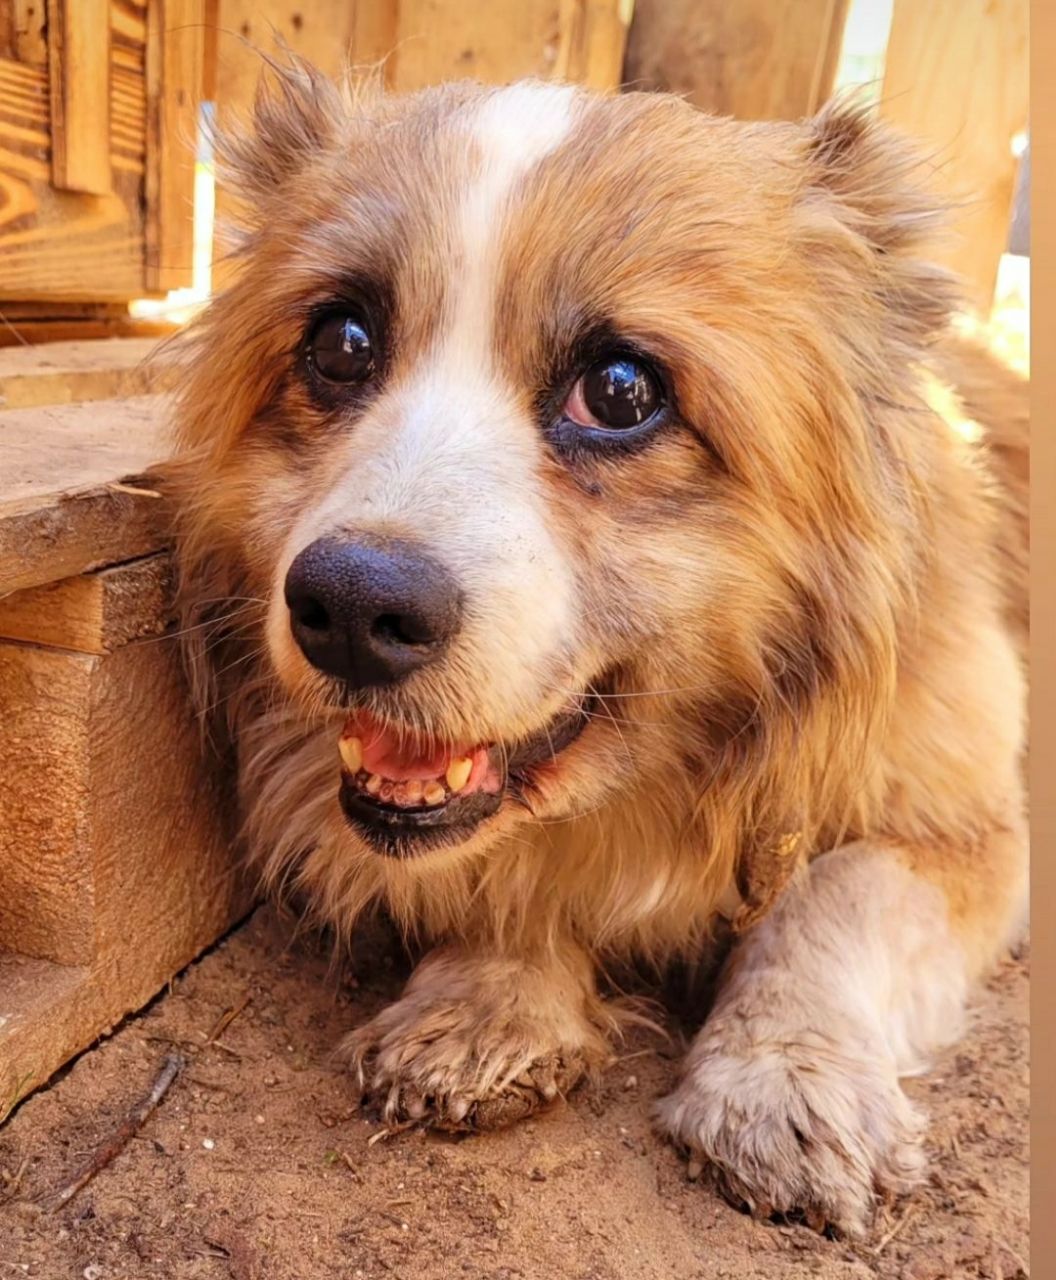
[796, 1124]
[477, 1044]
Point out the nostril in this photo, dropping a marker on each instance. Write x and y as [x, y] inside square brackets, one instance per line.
[370, 611]
[396, 628]
[310, 613]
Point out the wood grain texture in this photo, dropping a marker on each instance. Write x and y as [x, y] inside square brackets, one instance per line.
[94, 612]
[79, 71]
[62, 372]
[322, 32]
[46, 907]
[60, 512]
[434, 40]
[756, 59]
[416, 43]
[957, 77]
[117, 846]
[65, 245]
[176, 42]
[29, 42]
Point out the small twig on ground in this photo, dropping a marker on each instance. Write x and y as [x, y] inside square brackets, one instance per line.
[630, 1057]
[171, 1066]
[13, 1182]
[137, 491]
[226, 1018]
[886, 1239]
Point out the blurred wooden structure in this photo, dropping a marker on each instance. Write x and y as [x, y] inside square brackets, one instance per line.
[98, 102]
[416, 43]
[754, 59]
[955, 77]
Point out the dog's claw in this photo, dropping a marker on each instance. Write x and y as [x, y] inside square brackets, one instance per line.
[457, 1109]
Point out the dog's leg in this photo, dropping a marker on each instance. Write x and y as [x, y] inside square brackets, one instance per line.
[479, 1041]
[790, 1092]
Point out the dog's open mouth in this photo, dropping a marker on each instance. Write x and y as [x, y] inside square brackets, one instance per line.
[408, 796]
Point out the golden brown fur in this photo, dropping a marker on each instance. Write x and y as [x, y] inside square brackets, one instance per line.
[801, 599]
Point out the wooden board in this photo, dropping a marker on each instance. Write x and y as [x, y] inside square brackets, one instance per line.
[30, 23]
[79, 71]
[46, 907]
[67, 244]
[94, 205]
[75, 490]
[416, 42]
[754, 59]
[117, 850]
[957, 77]
[62, 372]
[175, 71]
[438, 40]
[95, 612]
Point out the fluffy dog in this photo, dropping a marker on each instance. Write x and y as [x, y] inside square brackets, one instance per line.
[572, 530]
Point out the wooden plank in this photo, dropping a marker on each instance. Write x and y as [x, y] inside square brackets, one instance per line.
[79, 66]
[94, 612]
[321, 32]
[64, 245]
[175, 77]
[437, 40]
[75, 493]
[46, 1010]
[30, 41]
[117, 847]
[596, 43]
[63, 372]
[46, 906]
[756, 59]
[416, 42]
[957, 77]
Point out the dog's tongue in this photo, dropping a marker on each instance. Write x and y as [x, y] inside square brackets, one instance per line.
[404, 760]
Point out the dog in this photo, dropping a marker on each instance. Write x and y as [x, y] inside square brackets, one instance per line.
[594, 528]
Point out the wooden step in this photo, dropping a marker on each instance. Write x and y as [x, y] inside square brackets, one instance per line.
[66, 372]
[75, 487]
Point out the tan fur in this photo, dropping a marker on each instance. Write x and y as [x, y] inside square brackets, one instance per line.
[803, 598]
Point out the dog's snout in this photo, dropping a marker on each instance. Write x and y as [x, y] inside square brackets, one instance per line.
[371, 610]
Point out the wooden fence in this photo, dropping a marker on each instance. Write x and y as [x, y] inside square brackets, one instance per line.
[98, 102]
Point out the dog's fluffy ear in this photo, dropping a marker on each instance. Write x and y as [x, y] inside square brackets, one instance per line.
[876, 185]
[298, 112]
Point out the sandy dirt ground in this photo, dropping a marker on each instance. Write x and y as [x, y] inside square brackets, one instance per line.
[256, 1166]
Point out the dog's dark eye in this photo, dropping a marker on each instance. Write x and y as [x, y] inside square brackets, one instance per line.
[339, 348]
[617, 393]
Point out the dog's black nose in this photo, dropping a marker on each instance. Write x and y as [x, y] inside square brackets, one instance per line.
[372, 610]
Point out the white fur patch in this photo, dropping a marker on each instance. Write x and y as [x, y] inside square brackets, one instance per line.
[515, 128]
[866, 936]
[447, 456]
[791, 1087]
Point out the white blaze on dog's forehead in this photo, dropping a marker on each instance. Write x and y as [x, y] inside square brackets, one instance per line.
[513, 130]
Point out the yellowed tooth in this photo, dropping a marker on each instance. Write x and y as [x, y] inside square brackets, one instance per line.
[413, 789]
[458, 772]
[351, 754]
[433, 793]
[372, 785]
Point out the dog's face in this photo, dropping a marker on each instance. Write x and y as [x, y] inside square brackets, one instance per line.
[535, 421]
